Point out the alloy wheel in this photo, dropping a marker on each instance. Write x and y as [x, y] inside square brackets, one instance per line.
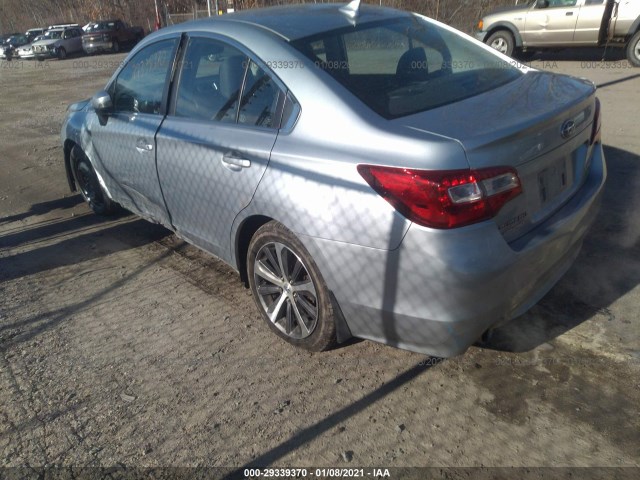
[285, 290]
[500, 44]
[88, 183]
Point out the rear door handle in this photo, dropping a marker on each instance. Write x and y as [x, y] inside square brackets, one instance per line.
[143, 146]
[569, 14]
[235, 163]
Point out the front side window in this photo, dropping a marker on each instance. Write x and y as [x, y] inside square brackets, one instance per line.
[140, 85]
[407, 65]
[562, 3]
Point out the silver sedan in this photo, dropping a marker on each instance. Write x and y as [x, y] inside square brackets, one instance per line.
[369, 172]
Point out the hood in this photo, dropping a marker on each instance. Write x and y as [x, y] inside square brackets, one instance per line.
[46, 42]
[78, 106]
[515, 8]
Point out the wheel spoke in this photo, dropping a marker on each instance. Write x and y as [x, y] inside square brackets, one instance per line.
[301, 301]
[274, 309]
[272, 259]
[305, 287]
[289, 325]
[303, 326]
[283, 260]
[269, 289]
[263, 271]
[297, 268]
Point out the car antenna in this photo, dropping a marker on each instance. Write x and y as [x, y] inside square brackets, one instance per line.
[351, 9]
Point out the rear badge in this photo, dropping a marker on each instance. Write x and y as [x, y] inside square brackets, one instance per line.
[513, 223]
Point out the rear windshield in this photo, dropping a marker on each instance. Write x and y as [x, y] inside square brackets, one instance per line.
[407, 65]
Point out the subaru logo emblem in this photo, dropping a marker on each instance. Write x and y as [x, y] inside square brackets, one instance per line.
[568, 128]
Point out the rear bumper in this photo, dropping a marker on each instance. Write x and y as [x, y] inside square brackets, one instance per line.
[440, 290]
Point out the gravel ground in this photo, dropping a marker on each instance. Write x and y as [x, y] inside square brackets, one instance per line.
[120, 345]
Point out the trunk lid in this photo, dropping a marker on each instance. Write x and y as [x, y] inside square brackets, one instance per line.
[539, 124]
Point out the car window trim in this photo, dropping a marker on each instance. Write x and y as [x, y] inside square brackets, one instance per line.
[165, 93]
[283, 91]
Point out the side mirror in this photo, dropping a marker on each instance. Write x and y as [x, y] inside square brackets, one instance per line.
[542, 4]
[102, 103]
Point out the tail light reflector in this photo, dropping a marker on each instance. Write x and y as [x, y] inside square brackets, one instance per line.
[445, 198]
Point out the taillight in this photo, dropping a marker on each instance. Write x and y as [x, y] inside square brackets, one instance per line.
[444, 199]
[596, 134]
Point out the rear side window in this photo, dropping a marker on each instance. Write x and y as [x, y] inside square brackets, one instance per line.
[220, 83]
[259, 99]
[210, 81]
[407, 65]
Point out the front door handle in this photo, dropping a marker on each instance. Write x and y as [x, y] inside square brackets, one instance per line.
[143, 145]
[569, 14]
[235, 163]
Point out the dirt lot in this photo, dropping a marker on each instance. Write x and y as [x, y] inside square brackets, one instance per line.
[121, 345]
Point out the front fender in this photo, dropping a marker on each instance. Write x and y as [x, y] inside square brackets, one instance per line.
[505, 26]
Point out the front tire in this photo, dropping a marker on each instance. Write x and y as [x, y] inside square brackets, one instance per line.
[62, 53]
[633, 50]
[88, 184]
[115, 47]
[288, 289]
[502, 41]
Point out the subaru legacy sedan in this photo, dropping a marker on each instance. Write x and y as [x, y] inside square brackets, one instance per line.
[369, 172]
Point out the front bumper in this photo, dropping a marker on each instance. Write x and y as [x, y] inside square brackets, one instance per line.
[441, 289]
[481, 36]
[46, 54]
[97, 46]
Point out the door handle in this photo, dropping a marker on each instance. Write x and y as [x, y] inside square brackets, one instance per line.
[235, 163]
[143, 146]
[569, 14]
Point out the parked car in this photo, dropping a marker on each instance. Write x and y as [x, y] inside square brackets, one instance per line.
[32, 33]
[109, 36]
[8, 47]
[543, 24]
[417, 200]
[58, 43]
[25, 52]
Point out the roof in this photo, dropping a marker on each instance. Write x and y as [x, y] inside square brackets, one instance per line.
[298, 21]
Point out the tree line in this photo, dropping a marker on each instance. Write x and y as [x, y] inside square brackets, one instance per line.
[19, 15]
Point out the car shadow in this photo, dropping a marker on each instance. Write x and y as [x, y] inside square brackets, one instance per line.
[72, 240]
[605, 270]
[45, 207]
[608, 54]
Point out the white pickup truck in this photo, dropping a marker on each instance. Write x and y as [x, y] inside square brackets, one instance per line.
[545, 24]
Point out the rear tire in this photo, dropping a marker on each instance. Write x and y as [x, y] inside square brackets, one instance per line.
[633, 50]
[502, 41]
[288, 289]
[88, 184]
